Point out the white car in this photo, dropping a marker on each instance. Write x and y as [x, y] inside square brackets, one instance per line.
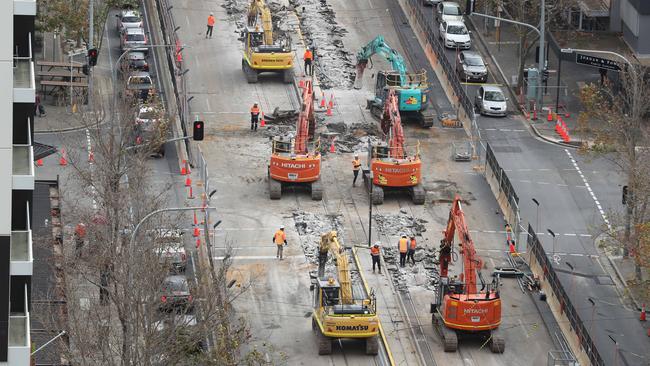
[134, 38]
[128, 19]
[454, 34]
[448, 10]
[491, 101]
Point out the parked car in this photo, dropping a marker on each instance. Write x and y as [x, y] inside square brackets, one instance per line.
[185, 328]
[135, 61]
[175, 294]
[134, 39]
[149, 129]
[491, 101]
[470, 66]
[168, 243]
[430, 2]
[139, 84]
[128, 19]
[447, 11]
[454, 34]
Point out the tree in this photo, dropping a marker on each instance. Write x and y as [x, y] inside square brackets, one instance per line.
[618, 113]
[113, 288]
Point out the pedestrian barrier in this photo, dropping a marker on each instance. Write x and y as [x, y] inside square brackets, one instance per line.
[538, 254]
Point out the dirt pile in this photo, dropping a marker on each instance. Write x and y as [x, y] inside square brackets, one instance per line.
[399, 223]
[334, 64]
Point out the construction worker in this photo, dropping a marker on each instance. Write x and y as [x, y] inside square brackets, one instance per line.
[376, 256]
[402, 245]
[79, 237]
[210, 25]
[356, 166]
[308, 57]
[280, 240]
[411, 251]
[255, 115]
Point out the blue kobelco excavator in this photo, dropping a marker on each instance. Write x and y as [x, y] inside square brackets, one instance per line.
[411, 88]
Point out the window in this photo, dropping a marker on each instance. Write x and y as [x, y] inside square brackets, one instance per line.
[451, 10]
[494, 96]
[456, 29]
[474, 61]
[135, 37]
[131, 19]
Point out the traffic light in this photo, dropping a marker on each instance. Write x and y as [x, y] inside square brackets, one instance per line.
[198, 130]
[92, 57]
[469, 7]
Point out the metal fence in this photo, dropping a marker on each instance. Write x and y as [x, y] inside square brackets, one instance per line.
[504, 182]
[586, 342]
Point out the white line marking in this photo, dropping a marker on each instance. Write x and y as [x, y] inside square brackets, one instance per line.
[562, 185]
[524, 170]
[569, 234]
[525, 181]
[585, 235]
[602, 213]
[261, 257]
[543, 183]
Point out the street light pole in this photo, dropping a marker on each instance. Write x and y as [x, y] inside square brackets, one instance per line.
[536, 216]
[542, 59]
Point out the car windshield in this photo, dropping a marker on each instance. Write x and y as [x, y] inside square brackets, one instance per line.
[131, 19]
[456, 29]
[474, 61]
[136, 56]
[451, 10]
[139, 80]
[175, 285]
[494, 96]
[135, 37]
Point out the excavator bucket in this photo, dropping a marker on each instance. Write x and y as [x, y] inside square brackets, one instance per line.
[358, 79]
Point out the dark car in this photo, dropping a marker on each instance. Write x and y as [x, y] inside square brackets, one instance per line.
[135, 61]
[175, 293]
[470, 66]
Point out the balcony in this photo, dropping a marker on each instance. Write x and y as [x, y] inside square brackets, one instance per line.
[25, 7]
[22, 260]
[23, 163]
[19, 352]
[24, 80]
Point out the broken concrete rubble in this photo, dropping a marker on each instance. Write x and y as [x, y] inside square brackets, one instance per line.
[400, 223]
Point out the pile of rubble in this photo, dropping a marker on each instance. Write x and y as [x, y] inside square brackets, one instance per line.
[311, 226]
[423, 274]
[334, 66]
[400, 223]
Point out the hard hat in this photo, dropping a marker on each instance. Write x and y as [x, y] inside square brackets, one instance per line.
[403, 235]
[255, 104]
[377, 243]
[211, 13]
[356, 154]
[281, 227]
[412, 236]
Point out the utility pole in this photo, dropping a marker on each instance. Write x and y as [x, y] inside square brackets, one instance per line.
[91, 33]
[542, 58]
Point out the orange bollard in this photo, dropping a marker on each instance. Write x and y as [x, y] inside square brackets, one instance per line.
[183, 167]
[549, 117]
[63, 161]
[332, 147]
[188, 181]
[190, 194]
[196, 220]
[642, 317]
[196, 232]
[198, 243]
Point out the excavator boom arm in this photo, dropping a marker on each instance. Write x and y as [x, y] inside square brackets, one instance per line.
[329, 244]
[258, 8]
[391, 125]
[306, 121]
[379, 46]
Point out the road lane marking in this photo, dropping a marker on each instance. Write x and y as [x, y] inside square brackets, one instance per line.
[261, 257]
[602, 213]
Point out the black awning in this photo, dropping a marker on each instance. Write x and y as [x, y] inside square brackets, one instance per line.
[42, 150]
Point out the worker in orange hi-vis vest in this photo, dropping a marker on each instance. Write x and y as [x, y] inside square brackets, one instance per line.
[210, 25]
[280, 240]
[410, 255]
[376, 257]
[402, 245]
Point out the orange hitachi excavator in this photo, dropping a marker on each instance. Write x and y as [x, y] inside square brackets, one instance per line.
[292, 162]
[391, 166]
[461, 308]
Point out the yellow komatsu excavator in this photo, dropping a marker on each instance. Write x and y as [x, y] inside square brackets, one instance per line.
[342, 309]
[265, 51]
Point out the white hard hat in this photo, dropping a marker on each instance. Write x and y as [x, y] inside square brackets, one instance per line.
[356, 154]
[377, 243]
[211, 13]
[403, 235]
[281, 227]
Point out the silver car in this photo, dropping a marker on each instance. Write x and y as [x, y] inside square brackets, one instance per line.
[470, 67]
[133, 39]
[491, 101]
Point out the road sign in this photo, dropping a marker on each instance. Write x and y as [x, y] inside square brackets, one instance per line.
[599, 62]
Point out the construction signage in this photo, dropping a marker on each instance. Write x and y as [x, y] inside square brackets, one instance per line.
[602, 63]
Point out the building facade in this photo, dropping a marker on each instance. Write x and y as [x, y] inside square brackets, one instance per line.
[17, 99]
[632, 17]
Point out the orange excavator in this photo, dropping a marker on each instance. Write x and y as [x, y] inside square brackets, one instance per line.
[461, 309]
[391, 166]
[292, 162]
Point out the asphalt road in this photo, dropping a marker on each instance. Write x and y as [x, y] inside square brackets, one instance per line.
[574, 201]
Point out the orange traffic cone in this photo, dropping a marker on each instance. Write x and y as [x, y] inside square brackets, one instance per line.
[196, 232]
[198, 243]
[63, 161]
[91, 156]
[322, 100]
[262, 122]
[329, 111]
[183, 167]
[642, 317]
[188, 181]
[549, 117]
[332, 147]
[331, 104]
[39, 162]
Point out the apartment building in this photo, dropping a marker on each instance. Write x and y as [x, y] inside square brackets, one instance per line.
[632, 18]
[17, 97]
